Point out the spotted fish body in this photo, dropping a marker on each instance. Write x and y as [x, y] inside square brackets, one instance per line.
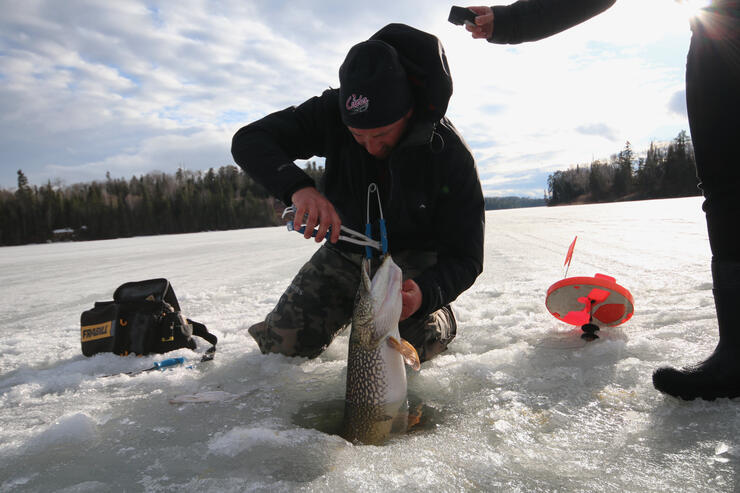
[376, 375]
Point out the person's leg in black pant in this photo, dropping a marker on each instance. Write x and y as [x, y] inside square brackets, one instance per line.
[713, 101]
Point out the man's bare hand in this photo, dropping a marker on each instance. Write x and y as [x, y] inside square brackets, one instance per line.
[410, 298]
[483, 28]
[320, 212]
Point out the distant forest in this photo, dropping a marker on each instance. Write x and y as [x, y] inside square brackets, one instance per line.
[512, 202]
[667, 171]
[155, 203]
[227, 198]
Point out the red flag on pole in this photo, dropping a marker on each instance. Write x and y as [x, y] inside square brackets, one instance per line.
[569, 257]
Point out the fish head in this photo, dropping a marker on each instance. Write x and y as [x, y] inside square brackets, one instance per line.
[378, 303]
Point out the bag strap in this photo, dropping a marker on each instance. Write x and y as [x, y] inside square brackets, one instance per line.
[201, 331]
[149, 290]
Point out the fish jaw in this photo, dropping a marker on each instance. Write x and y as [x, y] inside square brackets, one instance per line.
[385, 288]
[378, 305]
[363, 323]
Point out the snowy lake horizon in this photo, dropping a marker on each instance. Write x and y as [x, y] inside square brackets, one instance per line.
[519, 402]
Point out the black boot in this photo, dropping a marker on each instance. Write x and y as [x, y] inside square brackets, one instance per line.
[718, 375]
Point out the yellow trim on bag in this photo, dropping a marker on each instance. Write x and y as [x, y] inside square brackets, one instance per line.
[97, 331]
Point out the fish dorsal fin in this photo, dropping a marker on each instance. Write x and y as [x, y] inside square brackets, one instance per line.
[410, 356]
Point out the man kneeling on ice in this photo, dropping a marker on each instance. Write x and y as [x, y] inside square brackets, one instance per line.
[384, 125]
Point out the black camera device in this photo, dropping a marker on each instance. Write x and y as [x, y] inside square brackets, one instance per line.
[458, 15]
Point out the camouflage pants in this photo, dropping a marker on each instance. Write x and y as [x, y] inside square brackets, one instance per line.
[318, 304]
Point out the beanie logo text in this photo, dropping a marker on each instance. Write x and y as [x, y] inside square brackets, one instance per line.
[357, 104]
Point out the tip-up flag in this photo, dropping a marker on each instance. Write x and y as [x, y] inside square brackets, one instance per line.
[569, 256]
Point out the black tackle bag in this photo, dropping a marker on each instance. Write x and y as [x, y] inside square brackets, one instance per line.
[144, 317]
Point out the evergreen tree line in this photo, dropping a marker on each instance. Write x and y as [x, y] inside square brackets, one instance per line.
[152, 204]
[664, 172]
[511, 202]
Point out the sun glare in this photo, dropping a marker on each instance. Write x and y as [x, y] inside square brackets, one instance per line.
[691, 8]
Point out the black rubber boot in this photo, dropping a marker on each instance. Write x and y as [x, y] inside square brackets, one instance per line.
[718, 375]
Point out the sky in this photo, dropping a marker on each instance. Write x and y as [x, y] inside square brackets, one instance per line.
[131, 87]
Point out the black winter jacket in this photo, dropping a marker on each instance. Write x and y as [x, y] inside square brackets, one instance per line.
[531, 20]
[430, 191]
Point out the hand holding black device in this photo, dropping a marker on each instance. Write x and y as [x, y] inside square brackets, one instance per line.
[459, 15]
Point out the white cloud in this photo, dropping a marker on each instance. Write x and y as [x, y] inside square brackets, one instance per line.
[166, 153]
[127, 87]
[600, 129]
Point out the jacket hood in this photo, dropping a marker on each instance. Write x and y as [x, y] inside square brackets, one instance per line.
[423, 57]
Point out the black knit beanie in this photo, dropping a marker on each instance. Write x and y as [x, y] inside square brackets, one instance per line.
[374, 91]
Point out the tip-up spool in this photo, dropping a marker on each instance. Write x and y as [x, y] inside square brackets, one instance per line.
[590, 303]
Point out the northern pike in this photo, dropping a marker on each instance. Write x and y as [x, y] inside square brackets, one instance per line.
[376, 376]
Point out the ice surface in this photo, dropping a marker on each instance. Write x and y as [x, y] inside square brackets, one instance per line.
[518, 403]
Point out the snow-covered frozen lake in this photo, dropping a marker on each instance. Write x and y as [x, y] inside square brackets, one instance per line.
[519, 402]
